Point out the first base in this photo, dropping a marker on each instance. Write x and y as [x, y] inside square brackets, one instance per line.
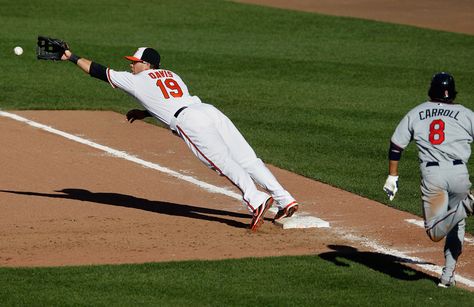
[302, 222]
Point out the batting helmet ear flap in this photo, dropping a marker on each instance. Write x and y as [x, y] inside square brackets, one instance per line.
[442, 87]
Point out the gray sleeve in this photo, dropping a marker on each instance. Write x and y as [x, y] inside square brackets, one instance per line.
[403, 133]
[471, 122]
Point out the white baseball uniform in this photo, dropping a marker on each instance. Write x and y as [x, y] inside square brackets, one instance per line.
[443, 133]
[210, 135]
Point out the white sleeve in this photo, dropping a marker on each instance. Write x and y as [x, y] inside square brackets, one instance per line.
[121, 79]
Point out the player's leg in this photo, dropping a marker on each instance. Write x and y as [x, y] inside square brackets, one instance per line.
[452, 251]
[196, 128]
[244, 154]
[444, 209]
[459, 189]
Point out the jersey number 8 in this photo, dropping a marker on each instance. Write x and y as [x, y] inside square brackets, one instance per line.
[437, 132]
[169, 87]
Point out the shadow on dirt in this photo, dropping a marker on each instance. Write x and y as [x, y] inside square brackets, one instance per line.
[393, 266]
[128, 201]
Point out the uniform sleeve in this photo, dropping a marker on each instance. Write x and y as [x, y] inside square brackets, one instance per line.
[121, 79]
[403, 133]
[470, 119]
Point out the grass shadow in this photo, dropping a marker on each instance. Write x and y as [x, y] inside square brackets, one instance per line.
[393, 266]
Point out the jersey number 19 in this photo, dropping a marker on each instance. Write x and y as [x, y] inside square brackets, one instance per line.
[169, 87]
[437, 132]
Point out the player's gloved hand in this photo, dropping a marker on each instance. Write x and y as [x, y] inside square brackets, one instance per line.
[135, 114]
[48, 48]
[66, 55]
[391, 186]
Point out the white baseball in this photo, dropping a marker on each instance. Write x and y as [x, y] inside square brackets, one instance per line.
[18, 50]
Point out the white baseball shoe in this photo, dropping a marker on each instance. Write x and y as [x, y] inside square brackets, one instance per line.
[288, 211]
[445, 285]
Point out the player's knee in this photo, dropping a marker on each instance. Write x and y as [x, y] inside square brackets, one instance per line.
[434, 235]
[253, 163]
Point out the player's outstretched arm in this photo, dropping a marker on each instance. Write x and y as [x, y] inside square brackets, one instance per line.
[94, 69]
[83, 63]
[55, 49]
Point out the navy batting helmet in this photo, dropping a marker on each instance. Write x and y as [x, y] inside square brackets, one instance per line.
[442, 87]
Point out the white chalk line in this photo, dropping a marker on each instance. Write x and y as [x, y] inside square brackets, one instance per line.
[214, 189]
[373, 245]
[123, 155]
[421, 223]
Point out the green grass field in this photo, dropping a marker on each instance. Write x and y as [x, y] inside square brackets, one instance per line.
[282, 281]
[313, 94]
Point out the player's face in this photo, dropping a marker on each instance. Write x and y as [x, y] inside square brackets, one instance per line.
[138, 67]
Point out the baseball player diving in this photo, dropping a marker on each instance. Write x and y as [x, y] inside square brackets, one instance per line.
[208, 133]
[443, 132]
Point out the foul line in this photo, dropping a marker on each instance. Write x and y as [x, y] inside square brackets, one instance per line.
[407, 259]
[121, 154]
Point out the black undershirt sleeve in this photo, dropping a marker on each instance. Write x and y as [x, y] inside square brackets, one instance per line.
[98, 71]
[395, 152]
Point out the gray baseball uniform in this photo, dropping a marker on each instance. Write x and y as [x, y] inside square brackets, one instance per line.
[443, 133]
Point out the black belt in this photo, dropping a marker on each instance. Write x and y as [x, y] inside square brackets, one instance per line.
[179, 111]
[455, 162]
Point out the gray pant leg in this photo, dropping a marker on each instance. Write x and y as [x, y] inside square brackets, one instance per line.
[444, 192]
[452, 251]
[445, 196]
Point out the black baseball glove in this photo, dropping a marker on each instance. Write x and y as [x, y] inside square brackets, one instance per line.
[50, 48]
[135, 114]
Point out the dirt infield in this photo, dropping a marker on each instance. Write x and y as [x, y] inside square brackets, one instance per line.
[65, 203]
[453, 16]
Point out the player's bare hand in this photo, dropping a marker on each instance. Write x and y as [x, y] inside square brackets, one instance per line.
[391, 186]
[135, 114]
[66, 55]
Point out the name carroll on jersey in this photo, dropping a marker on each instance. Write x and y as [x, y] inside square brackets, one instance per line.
[428, 113]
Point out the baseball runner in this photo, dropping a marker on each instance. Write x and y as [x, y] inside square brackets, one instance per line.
[208, 133]
[443, 132]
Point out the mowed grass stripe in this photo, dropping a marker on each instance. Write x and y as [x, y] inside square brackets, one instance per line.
[337, 278]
